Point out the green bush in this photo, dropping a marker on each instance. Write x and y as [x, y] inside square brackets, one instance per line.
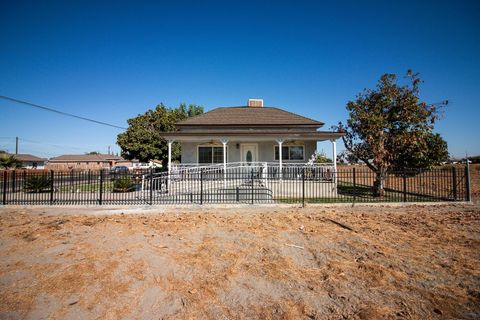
[37, 183]
[123, 184]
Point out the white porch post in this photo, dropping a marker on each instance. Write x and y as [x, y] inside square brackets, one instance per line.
[224, 142]
[169, 162]
[334, 158]
[280, 142]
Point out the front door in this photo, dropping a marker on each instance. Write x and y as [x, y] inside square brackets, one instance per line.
[249, 153]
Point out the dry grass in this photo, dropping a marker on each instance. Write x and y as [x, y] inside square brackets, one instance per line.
[269, 263]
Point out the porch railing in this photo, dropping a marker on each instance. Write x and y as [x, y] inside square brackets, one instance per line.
[271, 169]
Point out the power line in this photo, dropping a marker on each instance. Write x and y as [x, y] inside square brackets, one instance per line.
[60, 112]
[62, 146]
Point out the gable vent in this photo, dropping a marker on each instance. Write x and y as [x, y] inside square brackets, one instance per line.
[255, 102]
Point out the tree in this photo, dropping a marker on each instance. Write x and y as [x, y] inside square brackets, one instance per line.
[432, 150]
[9, 162]
[319, 157]
[346, 157]
[390, 127]
[93, 152]
[142, 139]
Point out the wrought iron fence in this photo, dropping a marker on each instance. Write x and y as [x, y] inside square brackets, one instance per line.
[250, 184]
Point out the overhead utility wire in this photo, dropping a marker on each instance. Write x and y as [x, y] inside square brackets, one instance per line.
[60, 112]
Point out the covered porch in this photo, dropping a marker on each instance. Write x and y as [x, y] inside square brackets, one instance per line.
[242, 148]
[278, 154]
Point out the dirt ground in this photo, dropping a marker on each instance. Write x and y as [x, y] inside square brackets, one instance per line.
[317, 262]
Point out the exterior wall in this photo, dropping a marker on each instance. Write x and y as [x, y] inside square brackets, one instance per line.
[265, 149]
[90, 165]
[31, 164]
[127, 163]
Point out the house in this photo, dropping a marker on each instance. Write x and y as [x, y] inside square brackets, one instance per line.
[248, 135]
[155, 163]
[30, 161]
[131, 164]
[83, 162]
[247, 152]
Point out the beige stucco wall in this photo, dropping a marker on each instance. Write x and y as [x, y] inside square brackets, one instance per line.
[265, 150]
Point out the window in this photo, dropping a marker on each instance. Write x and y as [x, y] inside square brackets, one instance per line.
[210, 154]
[290, 153]
[284, 153]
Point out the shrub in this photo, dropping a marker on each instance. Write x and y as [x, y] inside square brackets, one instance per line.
[37, 183]
[123, 184]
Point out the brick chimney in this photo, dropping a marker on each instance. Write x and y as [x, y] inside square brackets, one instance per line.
[255, 102]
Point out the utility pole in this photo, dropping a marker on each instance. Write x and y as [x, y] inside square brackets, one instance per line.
[16, 145]
[108, 149]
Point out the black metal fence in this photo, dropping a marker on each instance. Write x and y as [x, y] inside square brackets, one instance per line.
[239, 185]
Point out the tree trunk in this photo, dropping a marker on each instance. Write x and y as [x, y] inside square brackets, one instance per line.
[378, 185]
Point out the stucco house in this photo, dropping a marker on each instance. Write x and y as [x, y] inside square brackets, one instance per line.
[83, 162]
[247, 152]
[246, 135]
[30, 161]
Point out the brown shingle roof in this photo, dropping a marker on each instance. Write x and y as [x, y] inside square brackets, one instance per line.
[28, 157]
[252, 116]
[86, 157]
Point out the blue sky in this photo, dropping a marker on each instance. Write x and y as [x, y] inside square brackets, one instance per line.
[113, 60]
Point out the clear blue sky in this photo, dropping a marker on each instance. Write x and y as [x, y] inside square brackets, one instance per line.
[113, 60]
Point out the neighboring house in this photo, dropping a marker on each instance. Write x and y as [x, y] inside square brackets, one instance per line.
[83, 162]
[248, 134]
[131, 164]
[155, 163]
[30, 161]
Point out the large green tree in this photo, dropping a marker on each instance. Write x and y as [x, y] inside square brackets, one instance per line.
[142, 139]
[390, 127]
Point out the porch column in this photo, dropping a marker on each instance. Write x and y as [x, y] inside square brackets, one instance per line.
[224, 142]
[334, 158]
[280, 142]
[169, 162]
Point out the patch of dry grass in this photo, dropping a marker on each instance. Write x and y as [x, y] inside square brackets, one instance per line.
[270, 263]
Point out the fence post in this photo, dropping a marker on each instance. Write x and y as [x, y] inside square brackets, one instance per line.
[454, 180]
[252, 184]
[151, 186]
[303, 187]
[201, 186]
[51, 186]
[14, 181]
[467, 182]
[101, 188]
[5, 187]
[354, 185]
[404, 185]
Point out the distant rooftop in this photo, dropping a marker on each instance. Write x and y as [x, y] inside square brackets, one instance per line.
[86, 157]
[28, 157]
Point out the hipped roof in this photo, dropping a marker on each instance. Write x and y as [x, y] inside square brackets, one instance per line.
[249, 116]
[86, 157]
[28, 157]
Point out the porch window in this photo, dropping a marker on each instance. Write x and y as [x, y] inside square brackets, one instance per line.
[290, 153]
[210, 154]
